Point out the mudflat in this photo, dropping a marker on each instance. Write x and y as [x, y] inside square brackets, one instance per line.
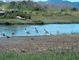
[39, 43]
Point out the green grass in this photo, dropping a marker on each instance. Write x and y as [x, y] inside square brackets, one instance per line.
[72, 18]
[3, 6]
[57, 19]
[15, 21]
[67, 55]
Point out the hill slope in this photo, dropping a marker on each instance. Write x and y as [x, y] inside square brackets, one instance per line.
[65, 2]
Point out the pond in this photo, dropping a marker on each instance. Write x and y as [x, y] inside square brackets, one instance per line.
[51, 28]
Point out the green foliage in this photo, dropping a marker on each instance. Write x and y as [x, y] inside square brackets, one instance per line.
[73, 9]
[1, 3]
[10, 15]
[62, 10]
[36, 9]
[12, 5]
[24, 15]
[1, 17]
[25, 5]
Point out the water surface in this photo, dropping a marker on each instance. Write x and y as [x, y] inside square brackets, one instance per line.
[51, 28]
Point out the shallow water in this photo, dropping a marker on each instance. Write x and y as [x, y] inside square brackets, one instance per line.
[51, 28]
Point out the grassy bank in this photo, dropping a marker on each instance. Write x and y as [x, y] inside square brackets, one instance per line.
[42, 20]
[66, 55]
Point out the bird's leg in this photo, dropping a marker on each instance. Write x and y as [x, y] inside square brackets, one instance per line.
[37, 34]
[12, 35]
[27, 34]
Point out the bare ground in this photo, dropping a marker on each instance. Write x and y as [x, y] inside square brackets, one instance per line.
[39, 43]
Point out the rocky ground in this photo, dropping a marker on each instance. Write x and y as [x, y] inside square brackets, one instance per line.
[39, 43]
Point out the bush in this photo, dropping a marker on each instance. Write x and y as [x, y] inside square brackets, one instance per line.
[10, 16]
[1, 17]
[62, 10]
[13, 15]
[73, 9]
[7, 23]
[23, 15]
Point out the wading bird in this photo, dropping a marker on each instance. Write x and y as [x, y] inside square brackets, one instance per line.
[57, 32]
[46, 32]
[26, 31]
[7, 36]
[36, 30]
[12, 33]
[2, 34]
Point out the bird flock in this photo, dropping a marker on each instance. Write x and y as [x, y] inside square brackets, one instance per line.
[28, 32]
[37, 32]
[4, 35]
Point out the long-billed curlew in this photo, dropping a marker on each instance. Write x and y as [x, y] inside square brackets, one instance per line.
[26, 31]
[12, 33]
[2, 34]
[36, 30]
[7, 36]
[57, 32]
[46, 32]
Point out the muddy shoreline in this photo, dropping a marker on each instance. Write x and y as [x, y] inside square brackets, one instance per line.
[39, 43]
[7, 23]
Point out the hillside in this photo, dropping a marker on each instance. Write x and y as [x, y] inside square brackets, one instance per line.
[34, 6]
[23, 5]
[65, 2]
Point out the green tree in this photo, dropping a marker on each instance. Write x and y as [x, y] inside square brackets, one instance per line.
[73, 9]
[12, 4]
[62, 10]
[29, 0]
[1, 3]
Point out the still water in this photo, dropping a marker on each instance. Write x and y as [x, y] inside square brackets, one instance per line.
[51, 28]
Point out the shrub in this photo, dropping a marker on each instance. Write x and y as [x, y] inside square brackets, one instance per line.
[73, 9]
[23, 15]
[10, 16]
[62, 10]
[7, 23]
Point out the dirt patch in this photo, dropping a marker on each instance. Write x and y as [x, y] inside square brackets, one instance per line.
[40, 43]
